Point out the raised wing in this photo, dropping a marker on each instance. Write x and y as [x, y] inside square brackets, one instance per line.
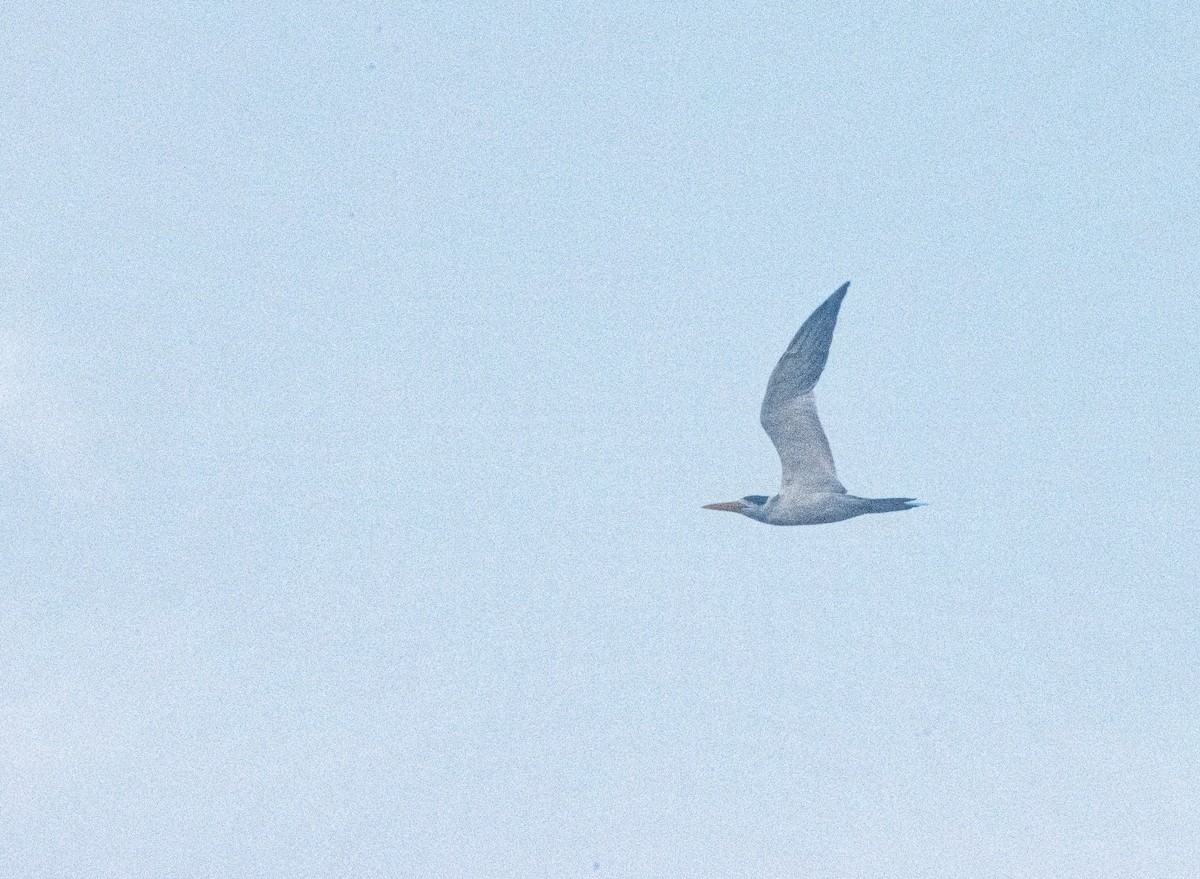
[789, 415]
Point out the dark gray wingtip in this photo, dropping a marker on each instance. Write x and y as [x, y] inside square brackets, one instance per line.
[827, 311]
[803, 361]
[834, 300]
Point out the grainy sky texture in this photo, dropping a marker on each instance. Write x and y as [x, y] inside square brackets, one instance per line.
[364, 367]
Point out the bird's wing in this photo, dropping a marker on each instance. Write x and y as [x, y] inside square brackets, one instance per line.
[789, 415]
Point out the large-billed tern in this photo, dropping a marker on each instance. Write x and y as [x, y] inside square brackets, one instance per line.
[811, 493]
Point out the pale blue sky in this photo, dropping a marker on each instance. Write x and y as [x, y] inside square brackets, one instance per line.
[364, 367]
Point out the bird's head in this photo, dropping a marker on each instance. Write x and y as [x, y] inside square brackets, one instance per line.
[753, 505]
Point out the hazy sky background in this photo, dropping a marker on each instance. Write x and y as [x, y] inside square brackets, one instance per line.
[364, 367]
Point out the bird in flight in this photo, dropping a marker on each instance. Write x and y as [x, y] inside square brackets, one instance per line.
[810, 493]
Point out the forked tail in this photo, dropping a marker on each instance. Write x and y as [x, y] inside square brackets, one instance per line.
[891, 504]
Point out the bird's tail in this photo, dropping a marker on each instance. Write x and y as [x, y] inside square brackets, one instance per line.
[891, 504]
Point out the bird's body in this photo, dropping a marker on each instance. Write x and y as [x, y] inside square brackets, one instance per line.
[810, 493]
[822, 507]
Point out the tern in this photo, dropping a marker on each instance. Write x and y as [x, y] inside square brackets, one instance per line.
[810, 493]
